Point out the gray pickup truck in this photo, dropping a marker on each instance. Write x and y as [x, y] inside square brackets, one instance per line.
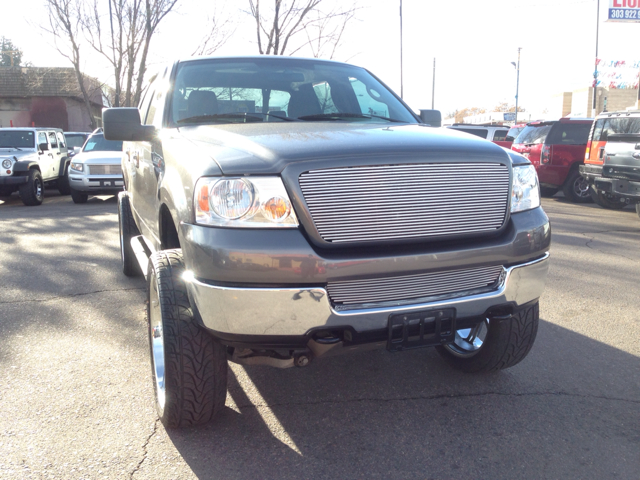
[620, 175]
[288, 209]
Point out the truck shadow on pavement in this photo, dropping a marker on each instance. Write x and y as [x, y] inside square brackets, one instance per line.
[570, 409]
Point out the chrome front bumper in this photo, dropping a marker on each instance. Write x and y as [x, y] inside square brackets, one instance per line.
[293, 311]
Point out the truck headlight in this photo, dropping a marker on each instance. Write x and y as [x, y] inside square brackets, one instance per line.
[79, 167]
[6, 163]
[251, 202]
[525, 191]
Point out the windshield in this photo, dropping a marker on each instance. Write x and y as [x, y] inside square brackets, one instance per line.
[75, 139]
[97, 143]
[17, 139]
[533, 134]
[277, 90]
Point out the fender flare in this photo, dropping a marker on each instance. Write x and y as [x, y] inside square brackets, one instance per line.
[23, 166]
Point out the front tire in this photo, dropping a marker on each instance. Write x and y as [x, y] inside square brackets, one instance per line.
[576, 188]
[79, 197]
[128, 230]
[63, 183]
[189, 367]
[32, 192]
[494, 344]
[606, 200]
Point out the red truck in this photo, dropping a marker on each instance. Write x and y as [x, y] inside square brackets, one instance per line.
[556, 148]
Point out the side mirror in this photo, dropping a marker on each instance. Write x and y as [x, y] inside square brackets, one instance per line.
[43, 146]
[431, 117]
[124, 124]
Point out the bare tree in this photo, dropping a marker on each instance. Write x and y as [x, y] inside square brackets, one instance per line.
[124, 39]
[279, 25]
[65, 24]
[220, 29]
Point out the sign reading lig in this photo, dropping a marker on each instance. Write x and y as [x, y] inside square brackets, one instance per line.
[624, 11]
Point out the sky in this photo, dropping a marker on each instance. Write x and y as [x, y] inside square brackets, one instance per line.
[472, 41]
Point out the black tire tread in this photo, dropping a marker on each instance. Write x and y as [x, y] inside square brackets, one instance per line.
[567, 188]
[79, 197]
[27, 191]
[602, 200]
[195, 364]
[128, 230]
[507, 343]
[63, 183]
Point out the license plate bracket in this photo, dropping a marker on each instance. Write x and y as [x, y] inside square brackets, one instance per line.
[425, 328]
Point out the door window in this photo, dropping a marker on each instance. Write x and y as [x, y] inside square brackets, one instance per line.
[52, 139]
[61, 140]
[42, 138]
[500, 135]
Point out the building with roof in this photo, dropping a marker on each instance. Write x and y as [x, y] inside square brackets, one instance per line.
[49, 97]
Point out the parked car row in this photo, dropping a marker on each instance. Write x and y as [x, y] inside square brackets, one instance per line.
[33, 158]
[588, 160]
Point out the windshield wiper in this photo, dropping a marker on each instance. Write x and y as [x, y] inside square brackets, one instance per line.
[220, 117]
[281, 117]
[341, 116]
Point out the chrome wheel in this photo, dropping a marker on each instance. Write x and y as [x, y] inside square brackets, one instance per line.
[581, 188]
[469, 341]
[156, 340]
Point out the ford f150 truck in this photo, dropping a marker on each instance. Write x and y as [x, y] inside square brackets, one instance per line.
[287, 209]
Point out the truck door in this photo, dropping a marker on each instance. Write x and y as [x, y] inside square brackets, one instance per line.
[56, 156]
[45, 155]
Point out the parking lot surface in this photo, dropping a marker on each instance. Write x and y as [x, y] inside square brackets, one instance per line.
[76, 398]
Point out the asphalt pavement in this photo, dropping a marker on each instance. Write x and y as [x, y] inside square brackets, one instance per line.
[76, 398]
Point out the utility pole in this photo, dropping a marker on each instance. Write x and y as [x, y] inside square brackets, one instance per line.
[595, 72]
[401, 79]
[517, 85]
[433, 88]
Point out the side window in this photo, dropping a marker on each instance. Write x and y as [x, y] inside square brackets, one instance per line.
[144, 104]
[500, 135]
[566, 134]
[597, 130]
[154, 116]
[42, 138]
[53, 140]
[61, 140]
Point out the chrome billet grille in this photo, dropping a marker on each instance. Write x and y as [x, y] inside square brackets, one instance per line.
[105, 169]
[406, 201]
[410, 287]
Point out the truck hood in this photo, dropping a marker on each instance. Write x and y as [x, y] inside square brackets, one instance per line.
[268, 148]
[100, 157]
[22, 154]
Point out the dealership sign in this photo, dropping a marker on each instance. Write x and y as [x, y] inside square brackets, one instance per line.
[624, 11]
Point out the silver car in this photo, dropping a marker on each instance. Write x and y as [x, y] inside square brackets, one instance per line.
[96, 170]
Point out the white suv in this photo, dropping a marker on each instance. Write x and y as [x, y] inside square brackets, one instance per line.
[493, 133]
[97, 169]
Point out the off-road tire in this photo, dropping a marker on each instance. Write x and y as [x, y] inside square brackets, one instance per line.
[79, 197]
[576, 188]
[63, 182]
[128, 230]
[605, 200]
[195, 365]
[32, 192]
[507, 343]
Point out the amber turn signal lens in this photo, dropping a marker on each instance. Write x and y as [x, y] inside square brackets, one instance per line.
[203, 198]
[276, 209]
